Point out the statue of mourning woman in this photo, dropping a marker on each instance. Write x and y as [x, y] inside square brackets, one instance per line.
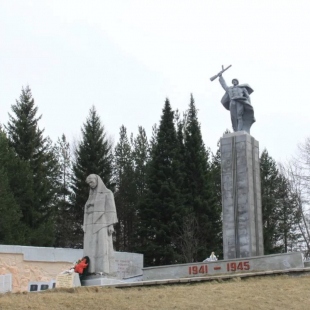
[99, 219]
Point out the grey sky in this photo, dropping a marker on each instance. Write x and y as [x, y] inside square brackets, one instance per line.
[126, 57]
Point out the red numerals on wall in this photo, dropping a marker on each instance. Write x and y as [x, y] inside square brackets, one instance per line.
[238, 266]
[231, 266]
[198, 269]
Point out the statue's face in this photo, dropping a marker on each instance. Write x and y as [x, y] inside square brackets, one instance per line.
[235, 82]
[92, 182]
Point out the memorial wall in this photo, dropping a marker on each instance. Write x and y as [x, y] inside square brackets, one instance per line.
[39, 264]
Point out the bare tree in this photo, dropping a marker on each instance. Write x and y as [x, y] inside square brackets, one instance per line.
[297, 171]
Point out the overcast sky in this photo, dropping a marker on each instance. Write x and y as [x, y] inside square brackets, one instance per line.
[125, 57]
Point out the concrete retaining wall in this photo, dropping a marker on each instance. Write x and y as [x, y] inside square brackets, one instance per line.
[244, 265]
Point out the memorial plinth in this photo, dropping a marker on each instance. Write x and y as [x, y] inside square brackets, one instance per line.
[241, 196]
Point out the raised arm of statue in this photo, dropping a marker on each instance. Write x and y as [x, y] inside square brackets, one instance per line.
[223, 83]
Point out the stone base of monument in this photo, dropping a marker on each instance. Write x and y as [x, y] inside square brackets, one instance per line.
[133, 279]
[241, 196]
[231, 266]
[100, 280]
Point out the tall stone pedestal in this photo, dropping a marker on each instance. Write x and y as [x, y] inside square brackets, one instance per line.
[241, 196]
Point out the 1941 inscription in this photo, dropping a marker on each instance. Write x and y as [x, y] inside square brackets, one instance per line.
[198, 269]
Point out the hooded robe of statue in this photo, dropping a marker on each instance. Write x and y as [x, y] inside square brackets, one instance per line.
[99, 214]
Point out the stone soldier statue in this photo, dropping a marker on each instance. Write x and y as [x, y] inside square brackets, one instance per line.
[237, 100]
[99, 218]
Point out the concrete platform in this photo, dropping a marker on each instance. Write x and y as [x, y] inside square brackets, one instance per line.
[243, 265]
[98, 280]
[289, 272]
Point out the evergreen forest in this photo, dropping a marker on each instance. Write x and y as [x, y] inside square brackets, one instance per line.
[167, 187]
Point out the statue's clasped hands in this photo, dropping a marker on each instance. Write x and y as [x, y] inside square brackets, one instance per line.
[110, 230]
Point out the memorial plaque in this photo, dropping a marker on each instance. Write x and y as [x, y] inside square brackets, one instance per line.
[68, 280]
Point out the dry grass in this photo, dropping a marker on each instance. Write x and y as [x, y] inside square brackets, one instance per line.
[281, 292]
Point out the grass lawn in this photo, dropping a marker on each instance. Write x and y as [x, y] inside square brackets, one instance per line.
[272, 292]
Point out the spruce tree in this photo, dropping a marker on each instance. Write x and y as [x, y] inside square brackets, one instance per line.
[181, 154]
[199, 188]
[279, 207]
[161, 212]
[270, 207]
[10, 230]
[188, 233]
[93, 155]
[12, 174]
[215, 188]
[289, 216]
[125, 194]
[140, 156]
[28, 142]
[63, 217]
[153, 139]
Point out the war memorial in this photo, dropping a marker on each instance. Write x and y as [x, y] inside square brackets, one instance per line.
[243, 243]
[243, 247]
